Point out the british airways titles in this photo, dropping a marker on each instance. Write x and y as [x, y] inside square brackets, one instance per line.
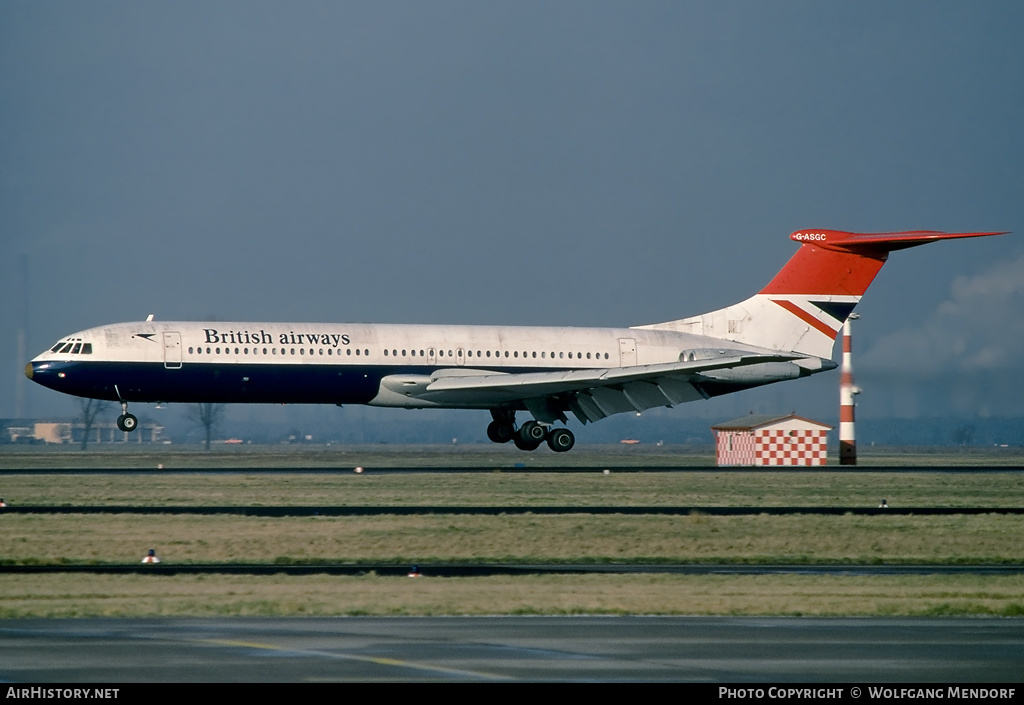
[248, 337]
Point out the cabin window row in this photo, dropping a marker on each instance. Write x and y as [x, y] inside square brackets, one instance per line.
[272, 351]
[515, 354]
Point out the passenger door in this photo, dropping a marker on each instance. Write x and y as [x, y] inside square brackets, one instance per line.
[627, 352]
[172, 350]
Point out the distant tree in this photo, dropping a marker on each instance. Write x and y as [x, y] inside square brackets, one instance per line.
[90, 409]
[964, 435]
[207, 415]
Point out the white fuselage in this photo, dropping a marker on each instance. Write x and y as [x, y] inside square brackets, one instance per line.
[343, 363]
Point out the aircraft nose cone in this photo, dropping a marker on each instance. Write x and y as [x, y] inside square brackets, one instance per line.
[47, 374]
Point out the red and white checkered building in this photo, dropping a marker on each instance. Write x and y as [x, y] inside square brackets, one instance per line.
[771, 440]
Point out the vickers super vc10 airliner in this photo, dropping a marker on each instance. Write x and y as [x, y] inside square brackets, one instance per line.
[785, 331]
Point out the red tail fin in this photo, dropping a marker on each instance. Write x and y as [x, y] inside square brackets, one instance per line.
[837, 262]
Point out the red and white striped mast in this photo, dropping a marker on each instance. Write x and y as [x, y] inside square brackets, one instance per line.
[847, 391]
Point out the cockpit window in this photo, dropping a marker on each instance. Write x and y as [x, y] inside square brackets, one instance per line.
[74, 347]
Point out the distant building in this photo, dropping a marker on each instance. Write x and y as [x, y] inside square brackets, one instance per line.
[760, 440]
[17, 431]
[31, 431]
[53, 431]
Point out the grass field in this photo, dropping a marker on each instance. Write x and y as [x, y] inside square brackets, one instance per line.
[146, 457]
[522, 539]
[516, 538]
[522, 489]
[322, 595]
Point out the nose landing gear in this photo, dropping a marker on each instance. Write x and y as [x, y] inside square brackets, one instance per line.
[126, 422]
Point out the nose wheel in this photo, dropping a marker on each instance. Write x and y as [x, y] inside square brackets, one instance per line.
[126, 422]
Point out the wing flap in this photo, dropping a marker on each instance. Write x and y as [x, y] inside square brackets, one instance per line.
[645, 395]
[585, 408]
[610, 401]
[590, 394]
[679, 391]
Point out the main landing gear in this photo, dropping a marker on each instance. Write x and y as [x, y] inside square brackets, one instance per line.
[126, 422]
[530, 435]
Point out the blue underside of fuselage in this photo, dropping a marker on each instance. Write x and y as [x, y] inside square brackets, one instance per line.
[246, 383]
[238, 383]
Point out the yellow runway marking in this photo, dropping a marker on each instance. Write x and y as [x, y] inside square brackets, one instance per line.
[378, 660]
[246, 644]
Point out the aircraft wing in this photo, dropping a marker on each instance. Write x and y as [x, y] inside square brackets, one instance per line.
[590, 394]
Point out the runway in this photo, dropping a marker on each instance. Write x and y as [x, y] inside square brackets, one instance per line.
[681, 649]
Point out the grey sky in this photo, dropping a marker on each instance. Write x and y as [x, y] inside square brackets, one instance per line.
[563, 163]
